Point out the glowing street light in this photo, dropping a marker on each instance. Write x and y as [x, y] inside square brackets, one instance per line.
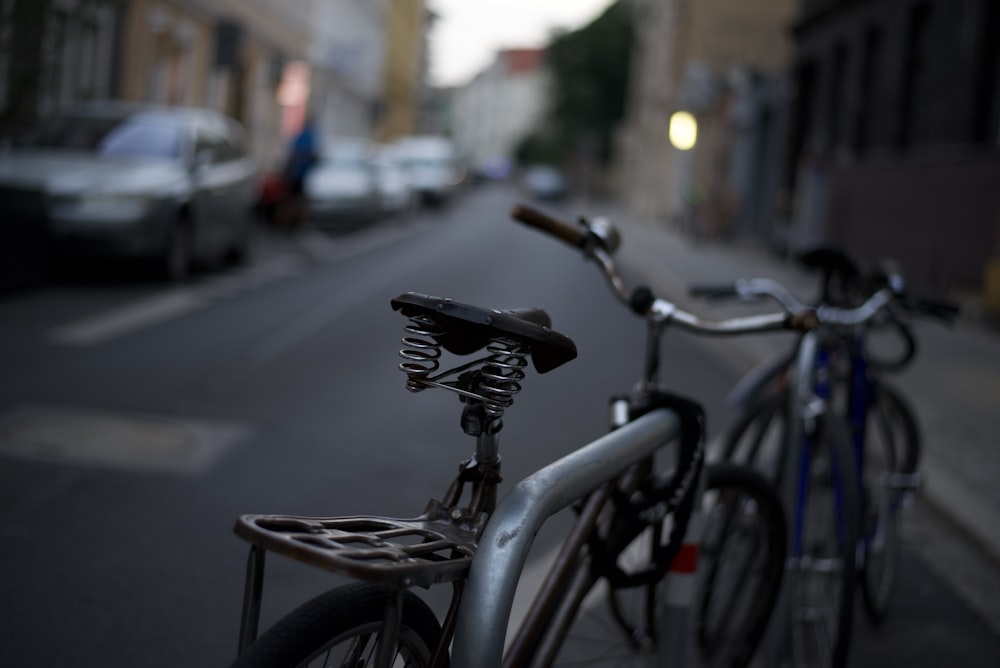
[683, 130]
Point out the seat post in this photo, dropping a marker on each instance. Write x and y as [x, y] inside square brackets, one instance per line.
[485, 425]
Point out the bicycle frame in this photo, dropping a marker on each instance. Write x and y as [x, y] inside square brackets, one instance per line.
[808, 399]
[504, 546]
[588, 475]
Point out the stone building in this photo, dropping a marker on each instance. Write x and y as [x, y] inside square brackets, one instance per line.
[895, 143]
[723, 61]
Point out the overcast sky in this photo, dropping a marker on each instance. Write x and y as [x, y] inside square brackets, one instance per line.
[469, 32]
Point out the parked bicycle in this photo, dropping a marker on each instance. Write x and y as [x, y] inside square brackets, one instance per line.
[637, 493]
[830, 432]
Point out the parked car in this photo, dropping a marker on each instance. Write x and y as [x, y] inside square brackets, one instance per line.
[434, 166]
[545, 182]
[397, 194]
[342, 188]
[165, 185]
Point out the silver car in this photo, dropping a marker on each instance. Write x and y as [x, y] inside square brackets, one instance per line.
[342, 190]
[166, 185]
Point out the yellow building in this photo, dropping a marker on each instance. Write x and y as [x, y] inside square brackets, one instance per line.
[406, 66]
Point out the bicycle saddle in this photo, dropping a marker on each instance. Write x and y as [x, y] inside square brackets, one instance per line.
[466, 329]
[829, 259]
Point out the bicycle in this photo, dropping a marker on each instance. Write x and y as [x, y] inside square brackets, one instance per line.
[873, 430]
[635, 491]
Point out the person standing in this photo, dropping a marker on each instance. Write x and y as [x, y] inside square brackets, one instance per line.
[303, 154]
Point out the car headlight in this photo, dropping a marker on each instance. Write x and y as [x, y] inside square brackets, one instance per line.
[101, 207]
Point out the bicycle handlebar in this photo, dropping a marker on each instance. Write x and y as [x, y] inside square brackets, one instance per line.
[540, 220]
[891, 293]
[752, 289]
[598, 240]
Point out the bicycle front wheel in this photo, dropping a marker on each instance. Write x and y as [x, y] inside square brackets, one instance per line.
[737, 580]
[741, 564]
[823, 571]
[757, 436]
[341, 628]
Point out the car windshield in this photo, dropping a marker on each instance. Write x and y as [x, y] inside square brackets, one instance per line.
[130, 137]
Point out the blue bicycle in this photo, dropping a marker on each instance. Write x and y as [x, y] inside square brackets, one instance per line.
[843, 446]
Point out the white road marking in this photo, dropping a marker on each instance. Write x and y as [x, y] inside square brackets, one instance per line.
[155, 309]
[125, 319]
[113, 439]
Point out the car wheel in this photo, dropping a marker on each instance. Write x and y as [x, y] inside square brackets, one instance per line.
[178, 256]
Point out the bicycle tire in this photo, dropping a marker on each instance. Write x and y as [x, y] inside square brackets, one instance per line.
[893, 446]
[741, 565]
[616, 625]
[902, 412]
[756, 437]
[349, 614]
[823, 576]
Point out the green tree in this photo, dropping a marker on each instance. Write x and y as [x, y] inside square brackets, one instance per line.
[590, 73]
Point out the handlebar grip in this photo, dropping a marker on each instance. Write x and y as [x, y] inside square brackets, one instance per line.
[565, 232]
[714, 290]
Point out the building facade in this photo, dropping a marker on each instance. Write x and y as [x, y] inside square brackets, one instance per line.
[499, 107]
[358, 67]
[895, 142]
[348, 61]
[404, 92]
[52, 53]
[225, 54]
[722, 61]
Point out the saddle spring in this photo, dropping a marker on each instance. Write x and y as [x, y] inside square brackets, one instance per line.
[502, 373]
[421, 351]
[493, 379]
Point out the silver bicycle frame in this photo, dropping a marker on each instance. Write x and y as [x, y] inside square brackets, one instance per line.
[775, 645]
[503, 548]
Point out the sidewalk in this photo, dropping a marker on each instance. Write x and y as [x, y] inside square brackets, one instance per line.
[954, 383]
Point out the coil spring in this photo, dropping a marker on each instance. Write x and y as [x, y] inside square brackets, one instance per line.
[421, 351]
[502, 373]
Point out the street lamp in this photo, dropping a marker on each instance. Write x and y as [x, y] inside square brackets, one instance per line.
[683, 130]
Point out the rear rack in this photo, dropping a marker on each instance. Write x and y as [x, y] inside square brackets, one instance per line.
[435, 547]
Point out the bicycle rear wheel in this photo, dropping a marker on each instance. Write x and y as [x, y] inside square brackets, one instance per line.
[823, 571]
[892, 454]
[341, 628]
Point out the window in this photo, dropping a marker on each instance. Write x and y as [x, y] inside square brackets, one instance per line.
[110, 136]
[914, 65]
[837, 87]
[218, 148]
[871, 71]
[142, 140]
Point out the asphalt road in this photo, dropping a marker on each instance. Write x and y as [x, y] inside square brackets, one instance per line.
[138, 421]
